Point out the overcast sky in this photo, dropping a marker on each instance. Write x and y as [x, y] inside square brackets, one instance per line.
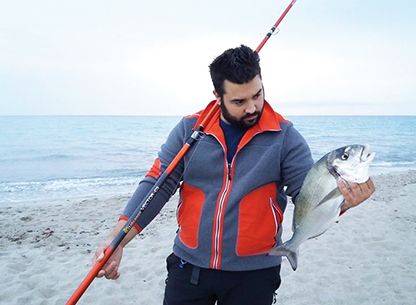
[151, 57]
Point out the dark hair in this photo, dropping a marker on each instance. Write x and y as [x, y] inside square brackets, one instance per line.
[239, 65]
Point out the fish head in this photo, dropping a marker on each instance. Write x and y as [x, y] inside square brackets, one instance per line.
[351, 163]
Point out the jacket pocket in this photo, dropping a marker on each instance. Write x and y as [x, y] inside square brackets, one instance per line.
[189, 214]
[259, 220]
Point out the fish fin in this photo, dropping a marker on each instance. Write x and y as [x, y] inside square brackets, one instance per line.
[293, 260]
[292, 256]
[332, 218]
[317, 235]
[331, 195]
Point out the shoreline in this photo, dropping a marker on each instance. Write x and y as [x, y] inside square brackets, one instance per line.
[367, 258]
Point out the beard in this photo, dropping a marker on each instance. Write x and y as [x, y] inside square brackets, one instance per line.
[245, 122]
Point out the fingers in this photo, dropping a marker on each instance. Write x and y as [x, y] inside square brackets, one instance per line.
[99, 254]
[355, 188]
[370, 185]
[110, 269]
[364, 190]
[347, 191]
[355, 193]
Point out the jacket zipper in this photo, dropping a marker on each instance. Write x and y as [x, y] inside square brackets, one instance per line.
[276, 215]
[218, 221]
[222, 202]
[277, 212]
[220, 212]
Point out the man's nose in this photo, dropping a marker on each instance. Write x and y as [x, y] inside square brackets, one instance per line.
[251, 107]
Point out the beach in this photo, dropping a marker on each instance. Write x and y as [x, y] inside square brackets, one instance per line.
[369, 257]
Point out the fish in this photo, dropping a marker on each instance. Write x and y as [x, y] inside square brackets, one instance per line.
[319, 200]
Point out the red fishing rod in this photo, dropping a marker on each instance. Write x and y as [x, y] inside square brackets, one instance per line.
[274, 27]
[196, 135]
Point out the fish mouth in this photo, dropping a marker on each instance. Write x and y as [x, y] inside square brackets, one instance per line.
[366, 154]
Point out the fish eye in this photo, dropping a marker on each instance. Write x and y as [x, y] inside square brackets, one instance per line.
[345, 156]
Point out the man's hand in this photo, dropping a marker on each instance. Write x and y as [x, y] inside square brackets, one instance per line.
[110, 269]
[355, 193]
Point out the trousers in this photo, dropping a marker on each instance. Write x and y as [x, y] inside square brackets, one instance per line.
[190, 285]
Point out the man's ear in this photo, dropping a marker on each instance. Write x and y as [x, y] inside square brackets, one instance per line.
[217, 96]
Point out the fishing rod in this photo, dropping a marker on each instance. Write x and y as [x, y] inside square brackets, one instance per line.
[274, 27]
[196, 135]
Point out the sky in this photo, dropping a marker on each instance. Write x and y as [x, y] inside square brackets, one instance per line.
[330, 57]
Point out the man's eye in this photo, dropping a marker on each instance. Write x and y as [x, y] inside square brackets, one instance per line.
[258, 95]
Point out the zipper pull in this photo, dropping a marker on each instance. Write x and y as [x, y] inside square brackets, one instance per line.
[229, 171]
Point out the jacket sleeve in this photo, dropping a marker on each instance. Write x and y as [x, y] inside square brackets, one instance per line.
[168, 151]
[296, 161]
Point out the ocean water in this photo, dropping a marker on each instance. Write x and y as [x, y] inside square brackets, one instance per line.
[44, 158]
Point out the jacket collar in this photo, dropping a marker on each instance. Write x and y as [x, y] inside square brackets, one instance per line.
[269, 121]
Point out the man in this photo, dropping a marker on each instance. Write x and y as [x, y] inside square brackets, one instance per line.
[232, 195]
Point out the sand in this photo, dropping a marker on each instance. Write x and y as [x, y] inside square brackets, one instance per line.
[369, 257]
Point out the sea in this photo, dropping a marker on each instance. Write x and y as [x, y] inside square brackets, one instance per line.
[50, 158]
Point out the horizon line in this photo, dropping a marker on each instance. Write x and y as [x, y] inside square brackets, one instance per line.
[181, 115]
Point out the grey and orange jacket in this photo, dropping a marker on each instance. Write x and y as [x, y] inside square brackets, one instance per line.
[229, 215]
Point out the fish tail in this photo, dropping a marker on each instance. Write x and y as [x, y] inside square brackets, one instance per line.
[291, 254]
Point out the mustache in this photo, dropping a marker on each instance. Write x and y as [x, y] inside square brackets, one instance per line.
[251, 115]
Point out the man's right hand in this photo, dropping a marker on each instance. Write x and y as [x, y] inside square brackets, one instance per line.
[110, 269]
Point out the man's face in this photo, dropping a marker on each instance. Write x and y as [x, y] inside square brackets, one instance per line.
[242, 104]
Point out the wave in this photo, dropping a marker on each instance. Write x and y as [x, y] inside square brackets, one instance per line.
[394, 164]
[51, 157]
[63, 184]
[65, 188]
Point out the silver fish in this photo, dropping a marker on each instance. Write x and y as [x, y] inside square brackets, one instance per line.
[319, 201]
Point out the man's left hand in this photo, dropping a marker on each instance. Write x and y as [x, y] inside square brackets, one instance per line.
[355, 193]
